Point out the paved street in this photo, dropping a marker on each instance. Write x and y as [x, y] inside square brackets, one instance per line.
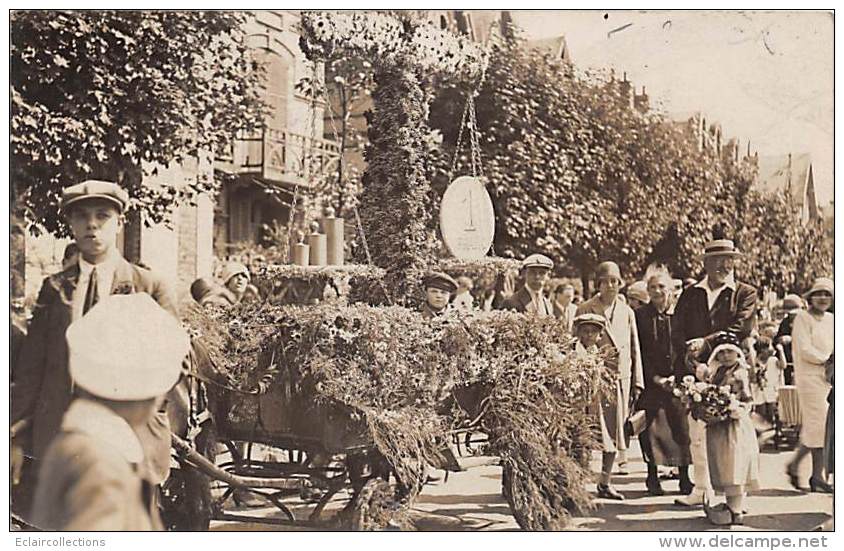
[472, 500]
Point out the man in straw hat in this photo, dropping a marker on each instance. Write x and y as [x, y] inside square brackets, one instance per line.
[123, 358]
[620, 333]
[716, 303]
[42, 389]
[531, 299]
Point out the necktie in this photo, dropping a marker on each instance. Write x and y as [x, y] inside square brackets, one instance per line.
[91, 295]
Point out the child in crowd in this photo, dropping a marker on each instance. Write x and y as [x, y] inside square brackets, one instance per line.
[464, 300]
[768, 379]
[731, 447]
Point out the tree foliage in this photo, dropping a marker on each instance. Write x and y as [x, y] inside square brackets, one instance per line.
[579, 174]
[111, 94]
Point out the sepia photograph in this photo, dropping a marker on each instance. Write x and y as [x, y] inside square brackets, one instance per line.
[421, 270]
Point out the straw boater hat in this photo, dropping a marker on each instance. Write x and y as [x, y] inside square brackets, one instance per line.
[821, 284]
[126, 348]
[439, 280]
[792, 302]
[94, 189]
[721, 247]
[537, 261]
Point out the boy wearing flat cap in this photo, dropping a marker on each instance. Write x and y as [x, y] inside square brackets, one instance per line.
[439, 287]
[123, 358]
[43, 386]
[530, 299]
[622, 334]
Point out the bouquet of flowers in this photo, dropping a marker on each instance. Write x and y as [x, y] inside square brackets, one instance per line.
[706, 402]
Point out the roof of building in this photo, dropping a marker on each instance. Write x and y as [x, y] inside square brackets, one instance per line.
[555, 45]
[774, 174]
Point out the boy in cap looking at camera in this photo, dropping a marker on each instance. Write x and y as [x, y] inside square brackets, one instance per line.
[530, 298]
[438, 290]
[123, 358]
[43, 389]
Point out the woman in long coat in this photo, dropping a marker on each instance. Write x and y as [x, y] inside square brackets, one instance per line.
[813, 340]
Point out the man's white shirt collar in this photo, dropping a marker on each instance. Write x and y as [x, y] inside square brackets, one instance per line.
[712, 294]
[98, 421]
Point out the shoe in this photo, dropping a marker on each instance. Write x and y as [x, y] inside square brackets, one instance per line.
[819, 486]
[694, 499]
[793, 479]
[654, 487]
[606, 491]
[621, 468]
[722, 515]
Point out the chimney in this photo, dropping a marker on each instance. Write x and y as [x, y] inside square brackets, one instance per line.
[506, 24]
[626, 91]
[641, 101]
[788, 175]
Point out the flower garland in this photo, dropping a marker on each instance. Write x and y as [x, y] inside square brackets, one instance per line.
[389, 40]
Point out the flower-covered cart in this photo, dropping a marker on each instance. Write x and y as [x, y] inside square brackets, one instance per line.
[337, 373]
[358, 402]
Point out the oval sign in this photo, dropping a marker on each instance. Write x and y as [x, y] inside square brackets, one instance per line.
[467, 218]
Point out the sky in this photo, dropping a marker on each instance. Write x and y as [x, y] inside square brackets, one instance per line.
[765, 77]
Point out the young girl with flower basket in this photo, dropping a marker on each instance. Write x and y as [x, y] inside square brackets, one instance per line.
[724, 404]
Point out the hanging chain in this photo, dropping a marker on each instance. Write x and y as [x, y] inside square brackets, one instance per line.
[368, 255]
[459, 143]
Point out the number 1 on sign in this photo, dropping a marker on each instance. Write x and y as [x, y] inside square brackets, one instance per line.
[471, 226]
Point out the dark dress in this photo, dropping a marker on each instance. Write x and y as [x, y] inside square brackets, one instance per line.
[666, 440]
[784, 330]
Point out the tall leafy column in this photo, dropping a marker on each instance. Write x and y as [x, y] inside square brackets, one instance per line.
[395, 208]
[395, 205]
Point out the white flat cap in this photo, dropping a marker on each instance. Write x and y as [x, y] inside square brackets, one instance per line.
[126, 348]
[537, 260]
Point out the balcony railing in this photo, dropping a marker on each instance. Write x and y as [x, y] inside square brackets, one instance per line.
[281, 156]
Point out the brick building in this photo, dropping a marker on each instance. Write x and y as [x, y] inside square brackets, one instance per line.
[260, 172]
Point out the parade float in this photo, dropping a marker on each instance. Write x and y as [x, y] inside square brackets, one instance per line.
[336, 369]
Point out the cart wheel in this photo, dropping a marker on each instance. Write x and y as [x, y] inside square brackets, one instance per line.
[370, 507]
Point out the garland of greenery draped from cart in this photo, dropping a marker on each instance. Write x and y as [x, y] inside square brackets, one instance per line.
[395, 205]
[399, 374]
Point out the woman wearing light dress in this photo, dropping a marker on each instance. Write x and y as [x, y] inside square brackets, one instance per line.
[813, 338]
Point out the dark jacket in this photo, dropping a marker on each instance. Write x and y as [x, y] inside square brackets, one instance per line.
[657, 354]
[732, 311]
[521, 301]
[785, 331]
[42, 389]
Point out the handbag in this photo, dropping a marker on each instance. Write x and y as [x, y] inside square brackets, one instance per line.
[635, 424]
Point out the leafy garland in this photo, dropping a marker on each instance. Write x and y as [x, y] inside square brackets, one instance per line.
[390, 40]
[488, 267]
[395, 205]
[395, 376]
